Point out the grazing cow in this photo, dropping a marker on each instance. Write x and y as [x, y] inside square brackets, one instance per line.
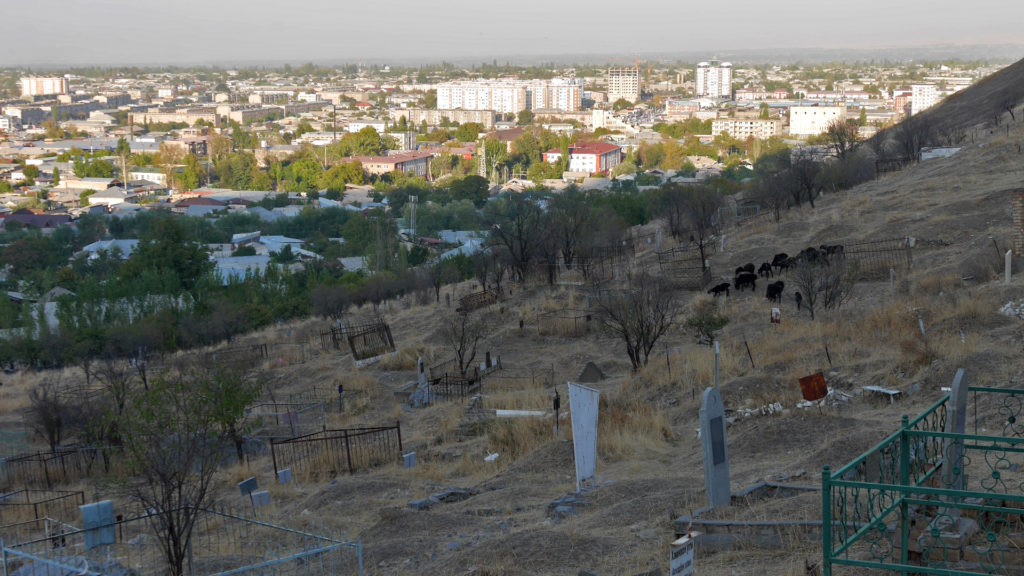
[778, 259]
[799, 300]
[765, 270]
[831, 250]
[774, 291]
[746, 279]
[719, 289]
[747, 268]
[810, 255]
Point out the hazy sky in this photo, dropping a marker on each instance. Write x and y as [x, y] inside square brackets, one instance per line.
[65, 32]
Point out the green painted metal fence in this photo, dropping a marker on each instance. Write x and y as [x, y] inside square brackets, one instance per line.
[928, 501]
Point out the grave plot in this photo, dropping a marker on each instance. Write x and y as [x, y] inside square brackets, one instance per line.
[942, 495]
[49, 469]
[330, 452]
[682, 267]
[875, 258]
[286, 419]
[456, 386]
[223, 542]
[644, 242]
[239, 358]
[27, 505]
[568, 322]
[332, 338]
[370, 340]
[289, 355]
[477, 300]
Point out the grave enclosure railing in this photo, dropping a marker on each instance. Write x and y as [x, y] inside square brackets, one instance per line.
[878, 256]
[370, 340]
[928, 501]
[27, 504]
[223, 542]
[336, 451]
[47, 469]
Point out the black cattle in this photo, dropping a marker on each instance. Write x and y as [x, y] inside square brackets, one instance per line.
[765, 270]
[810, 255]
[747, 268]
[778, 259]
[831, 250]
[746, 279]
[799, 300]
[774, 291]
[719, 289]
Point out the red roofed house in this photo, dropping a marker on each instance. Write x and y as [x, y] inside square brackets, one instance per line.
[589, 157]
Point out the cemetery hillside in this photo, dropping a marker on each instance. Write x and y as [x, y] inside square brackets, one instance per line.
[604, 373]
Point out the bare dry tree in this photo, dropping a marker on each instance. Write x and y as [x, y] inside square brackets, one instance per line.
[828, 282]
[49, 414]
[462, 333]
[639, 315]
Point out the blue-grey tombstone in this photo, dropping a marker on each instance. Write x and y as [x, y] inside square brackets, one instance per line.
[409, 459]
[953, 447]
[247, 486]
[715, 450]
[260, 498]
[98, 523]
[284, 476]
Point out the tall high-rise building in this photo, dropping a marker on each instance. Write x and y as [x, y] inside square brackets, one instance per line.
[922, 97]
[40, 86]
[714, 79]
[624, 83]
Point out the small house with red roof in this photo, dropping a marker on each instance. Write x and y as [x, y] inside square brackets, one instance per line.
[589, 157]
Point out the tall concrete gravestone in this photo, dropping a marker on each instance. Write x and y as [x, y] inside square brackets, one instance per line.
[583, 404]
[716, 452]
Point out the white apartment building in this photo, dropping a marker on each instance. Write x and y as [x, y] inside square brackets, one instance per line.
[922, 97]
[513, 96]
[501, 96]
[9, 123]
[43, 86]
[746, 128]
[714, 79]
[624, 83]
[813, 120]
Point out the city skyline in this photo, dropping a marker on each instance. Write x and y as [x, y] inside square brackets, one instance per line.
[54, 33]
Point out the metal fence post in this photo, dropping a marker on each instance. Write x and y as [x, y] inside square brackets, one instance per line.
[904, 482]
[826, 521]
[359, 552]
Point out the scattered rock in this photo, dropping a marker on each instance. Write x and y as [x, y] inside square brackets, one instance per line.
[564, 512]
[451, 495]
[423, 503]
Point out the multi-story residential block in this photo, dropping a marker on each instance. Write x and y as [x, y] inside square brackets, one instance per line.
[589, 157]
[624, 83]
[43, 86]
[502, 97]
[714, 79]
[9, 123]
[923, 96]
[743, 94]
[812, 120]
[565, 94]
[746, 128]
[414, 116]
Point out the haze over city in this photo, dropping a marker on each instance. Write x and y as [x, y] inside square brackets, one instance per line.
[105, 32]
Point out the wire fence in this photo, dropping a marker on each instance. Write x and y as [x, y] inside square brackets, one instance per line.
[26, 504]
[287, 419]
[223, 542]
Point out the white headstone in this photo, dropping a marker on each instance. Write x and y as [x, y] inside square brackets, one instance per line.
[1008, 265]
[409, 459]
[715, 448]
[247, 486]
[421, 373]
[98, 523]
[682, 554]
[583, 405]
[284, 476]
[956, 423]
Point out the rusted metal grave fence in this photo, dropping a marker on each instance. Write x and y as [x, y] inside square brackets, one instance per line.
[454, 386]
[48, 469]
[875, 258]
[28, 504]
[241, 358]
[477, 300]
[330, 452]
[566, 322]
[370, 340]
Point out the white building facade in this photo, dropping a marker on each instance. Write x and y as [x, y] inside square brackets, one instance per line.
[624, 83]
[714, 79]
[43, 86]
[813, 120]
[922, 97]
[743, 128]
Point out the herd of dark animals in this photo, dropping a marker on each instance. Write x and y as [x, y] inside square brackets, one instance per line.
[746, 276]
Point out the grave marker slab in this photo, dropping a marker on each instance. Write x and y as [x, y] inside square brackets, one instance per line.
[813, 387]
[953, 448]
[98, 523]
[284, 476]
[590, 374]
[260, 498]
[247, 486]
[715, 448]
[409, 459]
[583, 405]
[681, 558]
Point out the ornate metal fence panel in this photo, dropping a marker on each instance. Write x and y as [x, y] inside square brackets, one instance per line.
[477, 300]
[456, 386]
[928, 501]
[330, 452]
